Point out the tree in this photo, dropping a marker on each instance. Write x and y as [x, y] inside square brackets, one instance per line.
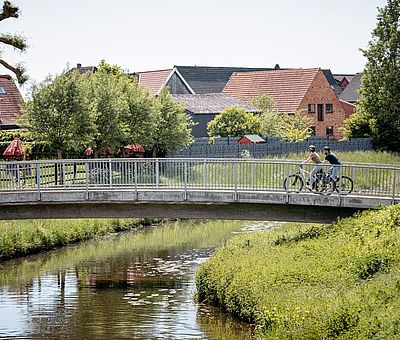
[270, 118]
[294, 127]
[107, 105]
[358, 125]
[173, 126]
[234, 122]
[16, 41]
[58, 113]
[380, 81]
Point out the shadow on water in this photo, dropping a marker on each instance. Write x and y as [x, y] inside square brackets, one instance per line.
[130, 286]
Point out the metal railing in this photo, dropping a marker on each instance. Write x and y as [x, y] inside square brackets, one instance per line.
[182, 174]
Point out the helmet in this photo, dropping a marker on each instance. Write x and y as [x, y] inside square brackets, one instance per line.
[311, 148]
[327, 148]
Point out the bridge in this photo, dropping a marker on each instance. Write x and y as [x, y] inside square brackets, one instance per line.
[249, 189]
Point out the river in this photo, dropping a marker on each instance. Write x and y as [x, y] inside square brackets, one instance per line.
[130, 286]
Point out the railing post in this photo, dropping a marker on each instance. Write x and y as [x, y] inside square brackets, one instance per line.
[204, 174]
[236, 197]
[339, 182]
[136, 179]
[110, 172]
[87, 179]
[287, 184]
[252, 174]
[394, 186]
[185, 180]
[38, 182]
[157, 173]
[18, 177]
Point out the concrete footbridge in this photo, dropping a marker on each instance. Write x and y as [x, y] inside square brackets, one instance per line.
[249, 189]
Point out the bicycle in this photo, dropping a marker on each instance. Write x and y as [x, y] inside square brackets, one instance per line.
[322, 184]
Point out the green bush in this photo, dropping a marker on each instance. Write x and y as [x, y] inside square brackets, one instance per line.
[312, 281]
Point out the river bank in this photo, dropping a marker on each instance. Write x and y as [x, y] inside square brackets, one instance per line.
[24, 237]
[312, 281]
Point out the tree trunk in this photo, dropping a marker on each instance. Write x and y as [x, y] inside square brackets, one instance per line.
[154, 151]
[59, 154]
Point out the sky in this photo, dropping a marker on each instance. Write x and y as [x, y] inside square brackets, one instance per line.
[158, 34]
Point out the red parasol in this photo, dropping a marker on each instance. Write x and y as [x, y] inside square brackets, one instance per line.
[88, 152]
[15, 149]
[137, 148]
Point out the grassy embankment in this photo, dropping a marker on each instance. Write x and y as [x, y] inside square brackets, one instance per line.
[20, 238]
[312, 281]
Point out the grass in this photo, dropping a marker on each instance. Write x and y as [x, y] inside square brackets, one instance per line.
[312, 281]
[20, 238]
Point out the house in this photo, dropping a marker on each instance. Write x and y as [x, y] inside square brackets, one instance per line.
[343, 80]
[10, 103]
[83, 69]
[294, 90]
[351, 93]
[204, 107]
[250, 139]
[191, 79]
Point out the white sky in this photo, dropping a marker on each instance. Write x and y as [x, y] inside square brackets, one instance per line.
[155, 34]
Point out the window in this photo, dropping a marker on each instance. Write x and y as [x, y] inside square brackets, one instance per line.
[313, 130]
[311, 108]
[329, 130]
[329, 108]
[2, 90]
[320, 112]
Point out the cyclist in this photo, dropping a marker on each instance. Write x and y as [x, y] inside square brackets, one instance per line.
[330, 158]
[313, 158]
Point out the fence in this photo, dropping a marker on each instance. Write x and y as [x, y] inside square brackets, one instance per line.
[182, 174]
[228, 148]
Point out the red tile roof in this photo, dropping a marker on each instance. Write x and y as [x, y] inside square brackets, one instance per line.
[153, 81]
[287, 87]
[10, 101]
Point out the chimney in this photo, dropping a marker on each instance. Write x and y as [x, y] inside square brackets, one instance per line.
[78, 66]
[277, 67]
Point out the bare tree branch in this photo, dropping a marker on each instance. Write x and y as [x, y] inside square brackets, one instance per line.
[9, 11]
[17, 70]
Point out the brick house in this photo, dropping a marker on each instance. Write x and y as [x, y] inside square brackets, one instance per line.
[10, 103]
[294, 90]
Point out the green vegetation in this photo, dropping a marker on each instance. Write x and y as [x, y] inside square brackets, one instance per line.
[20, 238]
[289, 127]
[312, 281]
[234, 122]
[380, 82]
[72, 112]
[15, 41]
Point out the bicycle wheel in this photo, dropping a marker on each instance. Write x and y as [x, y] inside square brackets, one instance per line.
[346, 185]
[293, 183]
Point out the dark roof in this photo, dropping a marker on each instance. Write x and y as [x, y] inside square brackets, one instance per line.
[332, 81]
[206, 79]
[10, 101]
[211, 103]
[340, 77]
[350, 93]
[84, 69]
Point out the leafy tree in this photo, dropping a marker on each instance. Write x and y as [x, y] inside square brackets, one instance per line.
[270, 118]
[140, 116]
[58, 113]
[380, 82]
[234, 122]
[16, 41]
[294, 127]
[173, 126]
[358, 125]
[108, 106]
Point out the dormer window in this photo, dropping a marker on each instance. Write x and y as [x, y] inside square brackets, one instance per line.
[2, 90]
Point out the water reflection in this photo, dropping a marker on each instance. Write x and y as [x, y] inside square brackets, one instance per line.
[133, 286]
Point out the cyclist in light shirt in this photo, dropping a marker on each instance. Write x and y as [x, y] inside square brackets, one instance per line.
[313, 158]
